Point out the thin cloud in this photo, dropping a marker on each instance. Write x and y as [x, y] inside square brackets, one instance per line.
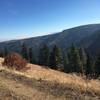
[22, 36]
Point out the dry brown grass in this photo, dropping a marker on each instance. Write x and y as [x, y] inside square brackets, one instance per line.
[73, 80]
[12, 90]
[50, 84]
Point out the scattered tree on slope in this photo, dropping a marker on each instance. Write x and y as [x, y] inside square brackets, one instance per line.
[55, 59]
[44, 55]
[97, 65]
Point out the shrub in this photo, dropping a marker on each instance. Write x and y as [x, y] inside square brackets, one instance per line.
[15, 61]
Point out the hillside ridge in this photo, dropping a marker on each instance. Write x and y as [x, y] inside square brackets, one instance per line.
[62, 39]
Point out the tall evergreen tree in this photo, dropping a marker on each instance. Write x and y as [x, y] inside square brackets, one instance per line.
[74, 59]
[31, 56]
[66, 66]
[24, 51]
[52, 60]
[55, 59]
[89, 67]
[83, 59]
[44, 55]
[5, 51]
[97, 66]
[1, 53]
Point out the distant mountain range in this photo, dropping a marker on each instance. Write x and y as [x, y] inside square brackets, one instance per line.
[87, 36]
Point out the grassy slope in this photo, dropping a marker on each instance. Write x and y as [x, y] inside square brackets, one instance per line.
[44, 84]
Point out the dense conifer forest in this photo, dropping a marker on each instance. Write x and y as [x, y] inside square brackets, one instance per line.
[75, 60]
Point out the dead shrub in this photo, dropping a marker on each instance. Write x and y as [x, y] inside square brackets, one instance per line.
[15, 61]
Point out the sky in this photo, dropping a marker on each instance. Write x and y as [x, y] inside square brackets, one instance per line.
[30, 18]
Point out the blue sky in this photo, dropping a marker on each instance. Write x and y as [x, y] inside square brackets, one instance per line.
[29, 18]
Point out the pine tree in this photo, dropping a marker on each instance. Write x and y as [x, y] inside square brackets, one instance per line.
[24, 51]
[74, 59]
[55, 59]
[31, 56]
[1, 53]
[44, 55]
[66, 66]
[51, 63]
[89, 68]
[97, 66]
[83, 59]
[5, 51]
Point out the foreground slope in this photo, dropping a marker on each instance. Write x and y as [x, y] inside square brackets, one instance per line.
[38, 83]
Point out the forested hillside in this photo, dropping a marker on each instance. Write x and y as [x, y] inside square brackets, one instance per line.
[73, 50]
[62, 39]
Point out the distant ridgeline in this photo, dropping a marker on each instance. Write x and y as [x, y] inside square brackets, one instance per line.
[87, 36]
[74, 47]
